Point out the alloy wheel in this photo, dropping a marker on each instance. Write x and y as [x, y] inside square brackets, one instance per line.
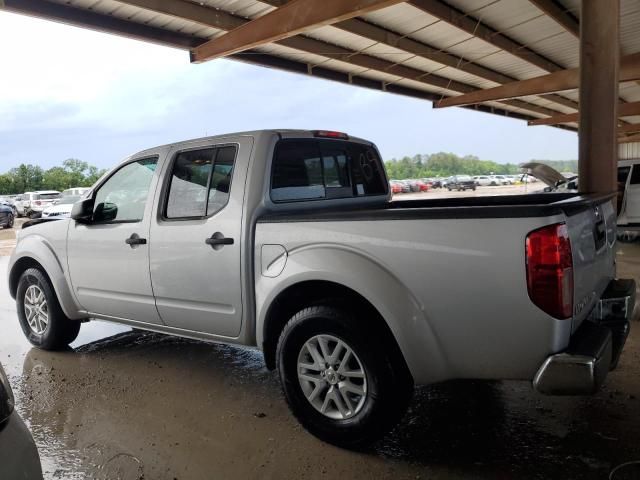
[332, 377]
[36, 309]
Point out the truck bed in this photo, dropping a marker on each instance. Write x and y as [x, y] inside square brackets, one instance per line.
[450, 274]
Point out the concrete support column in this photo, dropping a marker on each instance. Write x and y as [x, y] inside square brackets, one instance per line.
[599, 63]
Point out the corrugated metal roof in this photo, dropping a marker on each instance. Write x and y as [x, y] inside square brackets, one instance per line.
[470, 62]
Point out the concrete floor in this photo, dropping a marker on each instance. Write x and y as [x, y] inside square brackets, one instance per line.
[123, 404]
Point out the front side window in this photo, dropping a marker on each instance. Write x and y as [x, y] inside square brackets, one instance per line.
[313, 170]
[122, 198]
[200, 182]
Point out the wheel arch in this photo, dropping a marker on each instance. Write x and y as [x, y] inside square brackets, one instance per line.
[52, 269]
[317, 292]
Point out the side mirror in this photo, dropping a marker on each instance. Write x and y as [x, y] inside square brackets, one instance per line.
[82, 211]
[105, 212]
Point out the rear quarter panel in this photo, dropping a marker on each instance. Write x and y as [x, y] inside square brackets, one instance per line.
[453, 291]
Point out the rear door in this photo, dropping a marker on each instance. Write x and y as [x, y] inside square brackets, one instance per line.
[196, 238]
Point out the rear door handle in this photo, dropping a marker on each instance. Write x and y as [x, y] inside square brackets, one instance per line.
[218, 240]
[135, 239]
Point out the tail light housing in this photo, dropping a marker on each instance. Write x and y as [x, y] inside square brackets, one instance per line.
[37, 202]
[550, 270]
[330, 134]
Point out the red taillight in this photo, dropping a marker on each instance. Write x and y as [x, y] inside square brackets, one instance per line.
[38, 202]
[550, 270]
[330, 134]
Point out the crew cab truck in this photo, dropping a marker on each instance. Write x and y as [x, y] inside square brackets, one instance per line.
[288, 241]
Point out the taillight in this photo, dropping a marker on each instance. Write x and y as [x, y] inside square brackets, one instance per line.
[38, 202]
[550, 270]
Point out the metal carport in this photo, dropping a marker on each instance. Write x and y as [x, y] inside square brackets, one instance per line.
[518, 58]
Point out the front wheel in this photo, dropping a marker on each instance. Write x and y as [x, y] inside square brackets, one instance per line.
[42, 320]
[344, 387]
[10, 222]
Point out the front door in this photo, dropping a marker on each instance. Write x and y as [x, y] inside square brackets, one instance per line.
[196, 239]
[109, 258]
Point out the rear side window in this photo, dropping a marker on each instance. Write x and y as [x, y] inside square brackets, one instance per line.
[635, 175]
[316, 169]
[200, 182]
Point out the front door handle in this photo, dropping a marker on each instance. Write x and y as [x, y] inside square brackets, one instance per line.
[218, 240]
[135, 239]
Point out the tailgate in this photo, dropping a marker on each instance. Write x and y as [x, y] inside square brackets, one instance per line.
[592, 230]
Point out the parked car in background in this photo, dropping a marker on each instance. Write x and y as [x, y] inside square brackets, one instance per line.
[10, 203]
[289, 241]
[461, 183]
[7, 215]
[498, 180]
[62, 208]
[75, 191]
[405, 186]
[19, 457]
[436, 183]
[31, 204]
[482, 180]
[396, 187]
[422, 186]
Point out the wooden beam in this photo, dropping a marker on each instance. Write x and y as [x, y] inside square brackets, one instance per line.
[384, 36]
[473, 26]
[624, 110]
[559, 14]
[90, 19]
[293, 18]
[630, 128]
[553, 82]
[224, 21]
[116, 26]
[210, 17]
[599, 108]
[629, 139]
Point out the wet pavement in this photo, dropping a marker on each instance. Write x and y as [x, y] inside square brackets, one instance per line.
[123, 404]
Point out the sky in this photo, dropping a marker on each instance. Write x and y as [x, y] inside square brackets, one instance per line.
[99, 98]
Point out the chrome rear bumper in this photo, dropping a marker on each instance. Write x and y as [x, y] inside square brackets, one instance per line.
[594, 349]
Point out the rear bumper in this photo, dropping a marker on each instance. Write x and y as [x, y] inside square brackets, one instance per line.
[594, 349]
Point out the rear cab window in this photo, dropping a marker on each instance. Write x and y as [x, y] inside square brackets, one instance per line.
[312, 169]
[200, 182]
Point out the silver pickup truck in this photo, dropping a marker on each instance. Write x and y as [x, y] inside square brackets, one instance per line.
[289, 241]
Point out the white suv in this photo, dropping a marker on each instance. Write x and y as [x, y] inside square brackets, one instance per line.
[35, 202]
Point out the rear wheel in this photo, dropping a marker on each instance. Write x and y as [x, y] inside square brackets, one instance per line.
[343, 388]
[42, 320]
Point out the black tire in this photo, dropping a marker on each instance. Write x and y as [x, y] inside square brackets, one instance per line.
[60, 331]
[9, 222]
[389, 385]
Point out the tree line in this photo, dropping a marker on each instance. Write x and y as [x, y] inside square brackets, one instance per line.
[444, 164]
[29, 178]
